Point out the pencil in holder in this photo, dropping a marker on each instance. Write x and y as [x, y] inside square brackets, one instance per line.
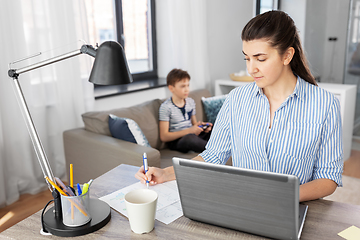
[75, 209]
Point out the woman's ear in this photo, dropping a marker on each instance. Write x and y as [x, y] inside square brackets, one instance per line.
[288, 55]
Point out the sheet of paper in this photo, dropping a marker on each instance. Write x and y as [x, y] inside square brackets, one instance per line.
[168, 205]
[170, 213]
[351, 233]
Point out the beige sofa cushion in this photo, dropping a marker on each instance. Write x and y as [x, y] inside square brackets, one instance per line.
[146, 115]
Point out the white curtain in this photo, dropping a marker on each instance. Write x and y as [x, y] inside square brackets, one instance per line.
[181, 31]
[56, 95]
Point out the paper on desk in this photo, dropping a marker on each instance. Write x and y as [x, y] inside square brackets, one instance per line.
[170, 213]
[168, 205]
[351, 233]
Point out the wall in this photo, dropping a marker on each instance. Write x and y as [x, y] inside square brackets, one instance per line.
[334, 51]
[226, 20]
[315, 35]
[317, 21]
[297, 10]
[130, 99]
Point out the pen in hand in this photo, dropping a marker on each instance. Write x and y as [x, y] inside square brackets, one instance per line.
[146, 167]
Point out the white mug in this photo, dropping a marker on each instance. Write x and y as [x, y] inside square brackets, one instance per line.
[141, 209]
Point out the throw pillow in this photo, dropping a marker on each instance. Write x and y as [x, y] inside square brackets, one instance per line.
[212, 106]
[127, 129]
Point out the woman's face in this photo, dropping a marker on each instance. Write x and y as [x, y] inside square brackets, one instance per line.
[263, 62]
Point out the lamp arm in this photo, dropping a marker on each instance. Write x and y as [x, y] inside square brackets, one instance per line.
[87, 49]
[14, 73]
[39, 150]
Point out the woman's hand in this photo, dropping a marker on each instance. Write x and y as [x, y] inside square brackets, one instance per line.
[316, 189]
[155, 175]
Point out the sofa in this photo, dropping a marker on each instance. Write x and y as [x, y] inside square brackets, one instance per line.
[93, 151]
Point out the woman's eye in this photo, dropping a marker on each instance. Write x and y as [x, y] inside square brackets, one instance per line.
[246, 59]
[261, 60]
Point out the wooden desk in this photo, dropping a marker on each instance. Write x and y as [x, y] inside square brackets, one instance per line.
[324, 219]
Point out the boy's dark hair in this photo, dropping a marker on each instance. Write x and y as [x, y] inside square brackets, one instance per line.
[175, 76]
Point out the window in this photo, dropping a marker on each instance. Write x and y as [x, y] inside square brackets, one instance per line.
[132, 24]
[356, 23]
[266, 5]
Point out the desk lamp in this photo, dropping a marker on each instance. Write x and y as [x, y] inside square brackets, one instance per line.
[110, 68]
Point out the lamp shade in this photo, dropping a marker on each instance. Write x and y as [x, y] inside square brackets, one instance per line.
[110, 66]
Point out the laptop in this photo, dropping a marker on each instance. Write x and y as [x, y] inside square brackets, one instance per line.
[257, 202]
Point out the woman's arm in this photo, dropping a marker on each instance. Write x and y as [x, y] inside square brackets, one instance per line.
[328, 168]
[317, 188]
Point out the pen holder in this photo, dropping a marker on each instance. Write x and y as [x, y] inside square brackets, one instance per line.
[75, 209]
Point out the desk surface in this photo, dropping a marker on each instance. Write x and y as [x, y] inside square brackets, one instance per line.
[324, 219]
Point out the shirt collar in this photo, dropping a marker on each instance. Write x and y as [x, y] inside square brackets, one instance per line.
[299, 90]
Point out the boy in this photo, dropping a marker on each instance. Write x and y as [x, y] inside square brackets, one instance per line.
[178, 125]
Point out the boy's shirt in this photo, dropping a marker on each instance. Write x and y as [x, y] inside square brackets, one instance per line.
[178, 118]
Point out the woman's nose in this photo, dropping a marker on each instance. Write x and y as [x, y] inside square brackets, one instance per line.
[251, 67]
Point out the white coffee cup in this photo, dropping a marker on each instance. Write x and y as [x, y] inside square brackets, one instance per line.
[141, 209]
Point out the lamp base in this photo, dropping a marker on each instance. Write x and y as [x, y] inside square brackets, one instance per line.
[100, 215]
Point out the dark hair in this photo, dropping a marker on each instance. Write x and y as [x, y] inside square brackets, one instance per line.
[175, 76]
[279, 29]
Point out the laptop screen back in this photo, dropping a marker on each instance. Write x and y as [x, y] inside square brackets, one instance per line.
[257, 202]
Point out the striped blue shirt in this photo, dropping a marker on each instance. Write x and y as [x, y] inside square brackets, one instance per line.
[305, 138]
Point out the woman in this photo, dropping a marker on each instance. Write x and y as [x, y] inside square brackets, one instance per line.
[282, 122]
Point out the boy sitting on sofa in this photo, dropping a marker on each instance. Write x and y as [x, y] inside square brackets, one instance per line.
[178, 125]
